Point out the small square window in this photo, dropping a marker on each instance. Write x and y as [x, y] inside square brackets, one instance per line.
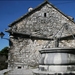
[19, 67]
[45, 14]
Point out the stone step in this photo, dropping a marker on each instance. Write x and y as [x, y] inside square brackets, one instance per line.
[20, 72]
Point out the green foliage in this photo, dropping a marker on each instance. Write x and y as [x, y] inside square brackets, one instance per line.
[4, 51]
[3, 58]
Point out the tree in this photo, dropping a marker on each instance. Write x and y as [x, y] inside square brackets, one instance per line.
[4, 52]
[3, 58]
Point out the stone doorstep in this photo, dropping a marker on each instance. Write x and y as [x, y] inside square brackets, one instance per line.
[36, 71]
[21, 72]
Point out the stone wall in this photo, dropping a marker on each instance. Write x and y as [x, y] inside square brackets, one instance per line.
[45, 22]
[25, 52]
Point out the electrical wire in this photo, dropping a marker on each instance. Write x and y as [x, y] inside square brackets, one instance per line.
[62, 2]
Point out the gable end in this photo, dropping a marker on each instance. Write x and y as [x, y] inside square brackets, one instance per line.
[36, 9]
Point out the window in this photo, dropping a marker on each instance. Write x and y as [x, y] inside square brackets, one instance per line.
[19, 67]
[45, 15]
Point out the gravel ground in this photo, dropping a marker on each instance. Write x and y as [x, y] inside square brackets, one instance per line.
[20, 72]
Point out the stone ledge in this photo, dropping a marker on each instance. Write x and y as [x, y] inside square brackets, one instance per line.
[4, 71]
[36, 71]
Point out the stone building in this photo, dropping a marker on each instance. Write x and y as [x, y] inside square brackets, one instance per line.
[37, 30]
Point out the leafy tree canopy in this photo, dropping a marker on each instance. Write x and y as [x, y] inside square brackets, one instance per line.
[4, 51]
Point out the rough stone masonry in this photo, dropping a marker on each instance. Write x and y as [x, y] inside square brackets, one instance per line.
[27, 34]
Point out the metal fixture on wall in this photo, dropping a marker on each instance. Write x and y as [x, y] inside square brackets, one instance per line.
[1, 34]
